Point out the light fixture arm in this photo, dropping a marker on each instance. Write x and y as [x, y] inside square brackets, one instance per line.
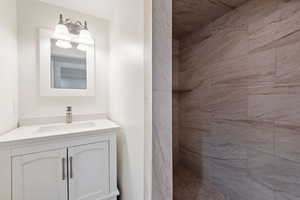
[85, 25]
[61, 19]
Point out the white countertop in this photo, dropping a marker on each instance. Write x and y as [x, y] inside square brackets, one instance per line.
[48, 130]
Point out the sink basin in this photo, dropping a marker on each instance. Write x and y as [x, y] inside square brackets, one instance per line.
[66, 127]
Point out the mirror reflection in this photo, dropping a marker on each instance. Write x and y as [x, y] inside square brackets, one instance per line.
[68, 66]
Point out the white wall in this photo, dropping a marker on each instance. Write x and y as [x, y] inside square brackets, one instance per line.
[8, 65]
[33, 14]
[127, 94]
[148, 100]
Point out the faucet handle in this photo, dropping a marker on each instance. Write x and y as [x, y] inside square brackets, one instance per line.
[69, 108]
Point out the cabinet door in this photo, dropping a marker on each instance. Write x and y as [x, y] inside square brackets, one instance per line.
[40, 176]
[89, 171]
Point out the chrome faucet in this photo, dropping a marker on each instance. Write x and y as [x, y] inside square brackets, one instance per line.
[69, 115]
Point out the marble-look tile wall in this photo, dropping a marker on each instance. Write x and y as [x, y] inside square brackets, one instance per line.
[175, 101]
[240, 125]
[162, 188]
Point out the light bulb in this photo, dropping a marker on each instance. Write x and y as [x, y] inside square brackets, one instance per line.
[83, 47]
[63, 44]
[85, 37]
[61, 32]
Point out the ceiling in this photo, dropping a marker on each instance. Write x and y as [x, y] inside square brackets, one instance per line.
[97, 8]
[190, 15]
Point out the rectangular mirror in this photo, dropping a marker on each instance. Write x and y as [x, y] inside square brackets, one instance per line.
[65, 71]
[68, 67]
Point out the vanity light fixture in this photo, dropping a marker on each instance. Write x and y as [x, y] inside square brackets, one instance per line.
[61, 30]
[85, 36]
[65, 28]
[62, 34]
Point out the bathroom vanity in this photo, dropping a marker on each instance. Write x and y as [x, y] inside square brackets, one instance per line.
[60, 162]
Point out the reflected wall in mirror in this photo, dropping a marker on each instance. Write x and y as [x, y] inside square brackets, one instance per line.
[68, 67]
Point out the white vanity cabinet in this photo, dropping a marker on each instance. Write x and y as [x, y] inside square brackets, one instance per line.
[67, 166]
[88, 171]
[39, 176]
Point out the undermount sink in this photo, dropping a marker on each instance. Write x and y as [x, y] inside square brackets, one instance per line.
[66, 127]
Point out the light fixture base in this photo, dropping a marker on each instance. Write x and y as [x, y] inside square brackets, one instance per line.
[74, 27]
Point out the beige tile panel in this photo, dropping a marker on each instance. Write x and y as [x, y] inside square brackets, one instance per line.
[288, 65]
[277, 28]
[191, 139]
[190, 15]
[196, 162]
[235, 184]
[194, 77]
[246, 70]
[223, 45]
[280, 108]
[196, 119]
[198, 99]
[287, 140]
[196, 37]
[248, 134]
[274, 172]
[227, 102]
[251, 12]
[285, 196]
[188, 185]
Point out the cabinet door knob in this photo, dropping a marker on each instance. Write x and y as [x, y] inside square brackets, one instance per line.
[71, 167]
[63, 161]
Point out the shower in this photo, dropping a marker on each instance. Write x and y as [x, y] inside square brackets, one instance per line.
[235, 99]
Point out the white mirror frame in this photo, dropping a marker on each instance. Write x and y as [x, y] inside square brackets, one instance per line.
[45, 70]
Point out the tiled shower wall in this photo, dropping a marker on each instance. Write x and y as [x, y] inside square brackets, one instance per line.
[240, 125]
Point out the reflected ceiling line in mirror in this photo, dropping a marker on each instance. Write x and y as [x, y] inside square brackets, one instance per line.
[65, 28]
